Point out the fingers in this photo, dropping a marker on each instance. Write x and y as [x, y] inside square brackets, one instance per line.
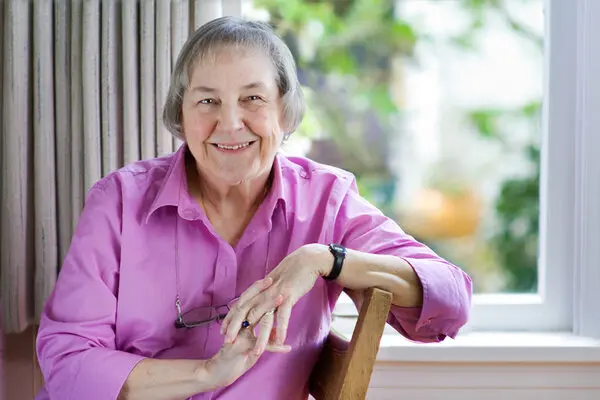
[284, 311]
[265, 326]
[263, 305]
[255, 289]
[247, 342]
[252, 311]
[275, 348]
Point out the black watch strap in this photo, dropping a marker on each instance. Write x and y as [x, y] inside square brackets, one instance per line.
[339, 254]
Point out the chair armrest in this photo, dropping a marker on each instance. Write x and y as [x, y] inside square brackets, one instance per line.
[344, 368]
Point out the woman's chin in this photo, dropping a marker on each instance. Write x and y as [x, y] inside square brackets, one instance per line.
[233, 173]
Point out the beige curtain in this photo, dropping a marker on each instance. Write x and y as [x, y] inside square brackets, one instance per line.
[83, 84]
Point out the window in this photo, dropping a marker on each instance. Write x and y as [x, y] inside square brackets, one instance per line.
[479, 91]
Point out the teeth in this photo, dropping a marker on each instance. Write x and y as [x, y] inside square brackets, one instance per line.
[236, 147]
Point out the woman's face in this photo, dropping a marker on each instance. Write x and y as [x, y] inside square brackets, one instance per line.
[231, 115]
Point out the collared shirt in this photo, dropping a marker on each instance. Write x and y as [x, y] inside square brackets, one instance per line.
[142, 240]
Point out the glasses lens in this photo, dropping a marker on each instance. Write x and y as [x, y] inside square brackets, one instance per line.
[199, 316]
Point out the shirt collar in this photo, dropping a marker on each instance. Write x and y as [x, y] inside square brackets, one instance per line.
[276, 196]
[173, 190]
[173, 183]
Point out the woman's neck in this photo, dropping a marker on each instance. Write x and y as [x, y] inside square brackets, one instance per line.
[224, 198]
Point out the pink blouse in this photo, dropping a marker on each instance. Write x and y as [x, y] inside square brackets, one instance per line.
[141, 240]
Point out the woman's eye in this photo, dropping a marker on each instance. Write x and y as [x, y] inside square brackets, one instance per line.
[253, 98]
[206, 101]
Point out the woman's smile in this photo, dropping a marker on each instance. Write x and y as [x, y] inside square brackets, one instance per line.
[233, 148]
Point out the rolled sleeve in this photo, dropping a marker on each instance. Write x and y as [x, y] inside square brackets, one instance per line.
[446, 303]
[76, 339]
[447, 290]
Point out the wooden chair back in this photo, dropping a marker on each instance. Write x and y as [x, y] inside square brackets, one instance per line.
[343, 371]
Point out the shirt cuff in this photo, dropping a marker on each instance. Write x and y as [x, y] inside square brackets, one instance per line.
[102, 374]
[442, 313]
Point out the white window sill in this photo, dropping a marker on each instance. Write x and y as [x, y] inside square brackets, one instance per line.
[485, 347]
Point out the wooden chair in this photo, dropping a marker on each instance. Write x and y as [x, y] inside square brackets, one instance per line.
[344, 369]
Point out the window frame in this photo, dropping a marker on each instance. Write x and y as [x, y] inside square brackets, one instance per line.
[569, 188]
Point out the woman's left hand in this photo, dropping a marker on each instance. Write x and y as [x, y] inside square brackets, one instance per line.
[292, 279]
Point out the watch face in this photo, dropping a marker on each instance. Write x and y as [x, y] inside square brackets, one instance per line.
[338, 249]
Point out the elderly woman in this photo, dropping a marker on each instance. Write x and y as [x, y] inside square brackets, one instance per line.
[212, 272]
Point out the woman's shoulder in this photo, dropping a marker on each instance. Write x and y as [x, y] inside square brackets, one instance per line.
[135, 178]
[306, 169]
[307, 183]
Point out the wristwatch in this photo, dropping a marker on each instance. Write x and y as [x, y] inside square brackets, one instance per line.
[339, 254]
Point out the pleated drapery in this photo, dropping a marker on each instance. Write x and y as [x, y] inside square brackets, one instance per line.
[83, 85]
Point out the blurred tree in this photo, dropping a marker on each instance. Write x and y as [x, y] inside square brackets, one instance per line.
[515, 240]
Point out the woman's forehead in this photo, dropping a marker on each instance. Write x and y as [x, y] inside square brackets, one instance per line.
[247, 67]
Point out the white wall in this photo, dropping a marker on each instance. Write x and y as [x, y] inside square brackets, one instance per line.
[490, 381]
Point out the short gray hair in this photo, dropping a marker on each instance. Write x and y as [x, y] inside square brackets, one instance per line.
[232, 31]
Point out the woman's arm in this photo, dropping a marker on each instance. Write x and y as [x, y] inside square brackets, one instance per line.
[431, 296]
[76, 342]
[364, 270]
[166, 379]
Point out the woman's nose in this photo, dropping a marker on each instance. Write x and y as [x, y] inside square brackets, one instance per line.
[230, 119]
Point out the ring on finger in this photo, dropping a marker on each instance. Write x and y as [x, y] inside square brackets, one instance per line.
[246, 323]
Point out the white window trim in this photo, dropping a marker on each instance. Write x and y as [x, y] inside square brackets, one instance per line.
[569, 278]
[586, 271]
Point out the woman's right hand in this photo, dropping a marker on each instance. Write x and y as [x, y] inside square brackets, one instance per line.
[234, 359]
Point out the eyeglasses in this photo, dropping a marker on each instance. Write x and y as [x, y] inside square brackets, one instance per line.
[201, 315]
